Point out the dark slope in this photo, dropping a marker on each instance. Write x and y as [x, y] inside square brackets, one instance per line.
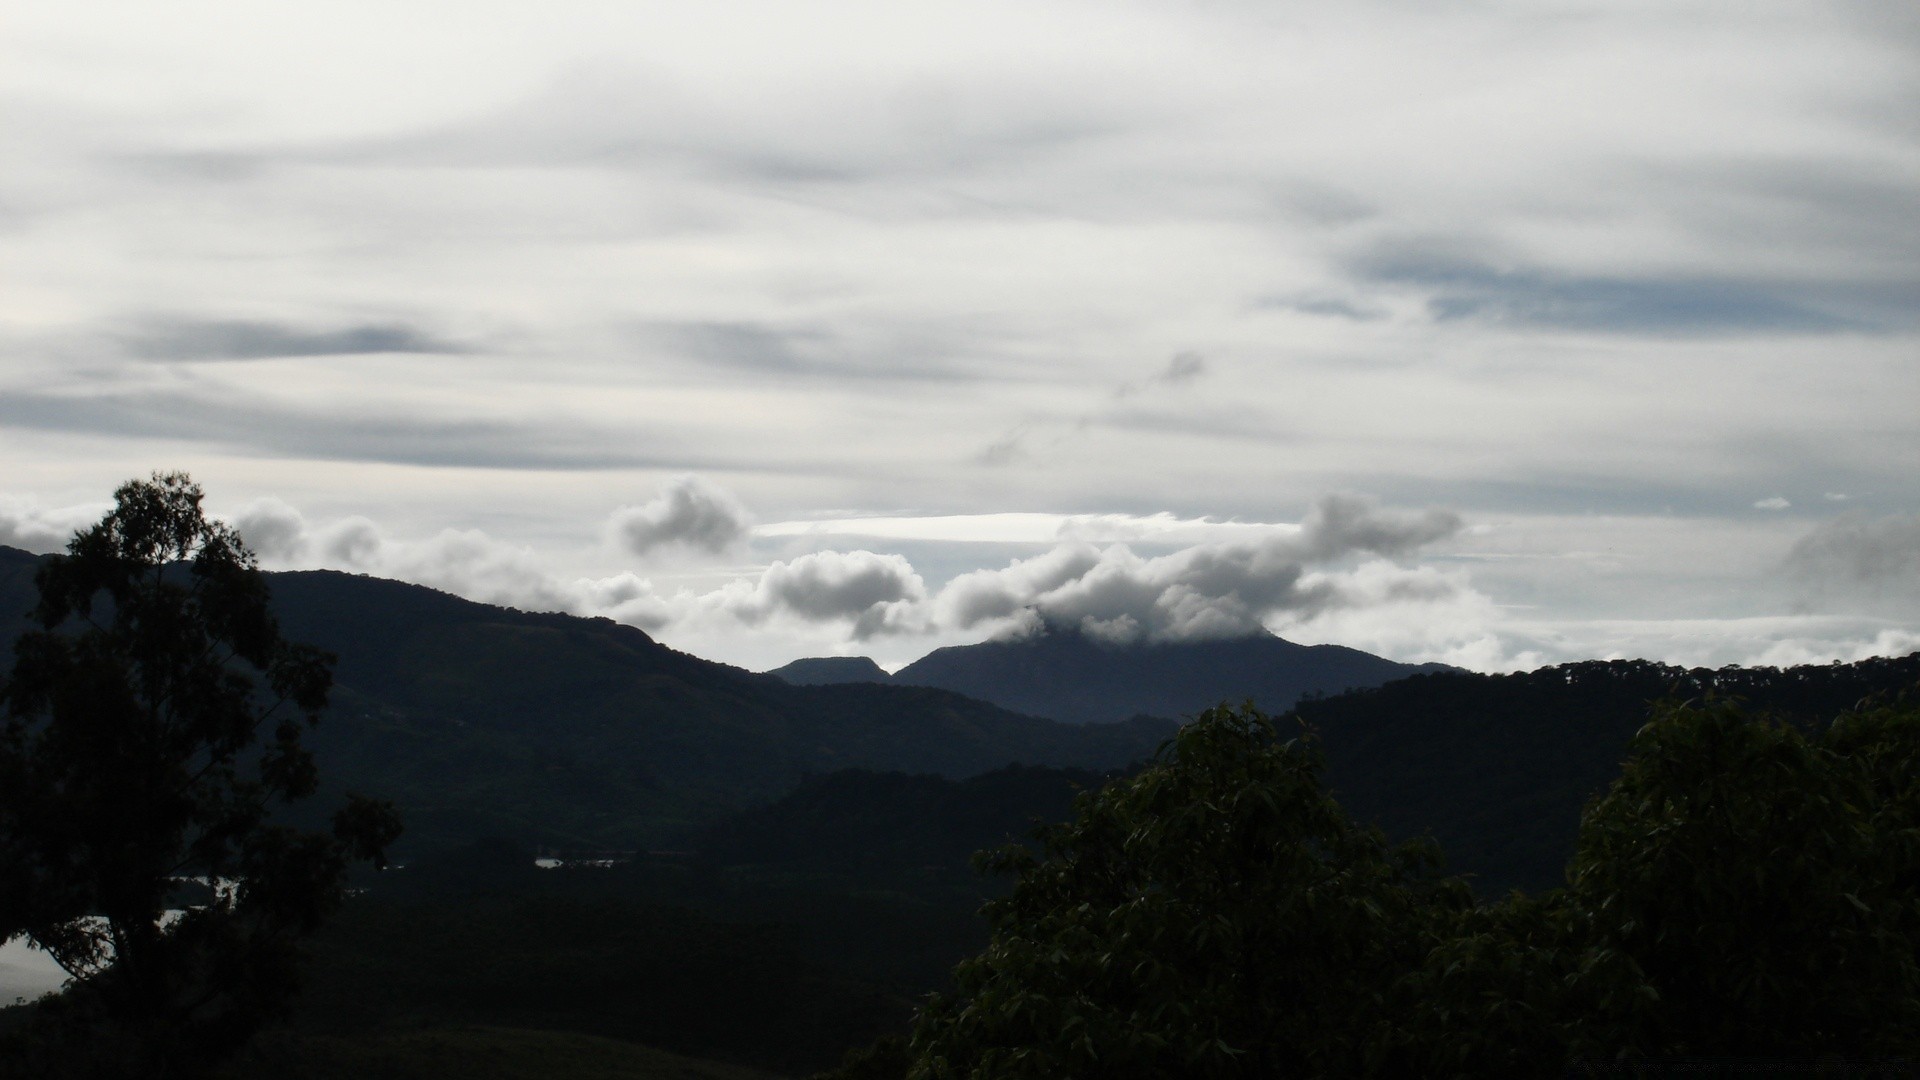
[1498, 767]
[1495, 767]
[832, 670]
[1069, 676]
[553, 729]
[896, 827]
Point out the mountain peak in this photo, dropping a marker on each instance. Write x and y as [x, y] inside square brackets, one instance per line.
[825, 670]
[1064, 673]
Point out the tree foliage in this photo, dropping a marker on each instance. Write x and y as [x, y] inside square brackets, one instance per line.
[1216, 915]
[1745, 890]
[152, 724]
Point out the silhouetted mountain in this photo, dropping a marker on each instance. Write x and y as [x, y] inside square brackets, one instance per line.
[832, 670]
[552, 729]
[1494, 767]
[1066, 675]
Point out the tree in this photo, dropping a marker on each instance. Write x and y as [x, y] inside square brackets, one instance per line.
[132, 761]
[1215, 915]
[1744, 889]
[1764, 881]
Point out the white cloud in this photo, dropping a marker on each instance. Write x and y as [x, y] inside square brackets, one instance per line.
[1772, 502]
[690, 513]
[274, 530]
[874, 593]
[26, 525]
[1815, 650]
[1222, 589]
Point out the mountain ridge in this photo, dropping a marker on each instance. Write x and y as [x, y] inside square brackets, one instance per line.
[1066, 675]
[554, 729]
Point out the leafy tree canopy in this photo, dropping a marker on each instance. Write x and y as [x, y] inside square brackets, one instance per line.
[1746, 890]
[1215, 915]
[132, 759]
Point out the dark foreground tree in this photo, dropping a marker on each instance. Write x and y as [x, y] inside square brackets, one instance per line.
[1745, 892]
[152, 726]
[1216, 915]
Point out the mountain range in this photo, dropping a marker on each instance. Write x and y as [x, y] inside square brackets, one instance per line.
[1060, 673]
[556, 730]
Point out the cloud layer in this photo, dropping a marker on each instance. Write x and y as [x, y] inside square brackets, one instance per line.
[456, 283]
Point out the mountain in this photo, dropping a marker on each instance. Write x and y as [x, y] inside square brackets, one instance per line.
[1495, 767]
[831, 670]
[563, 731]
[1067, 675]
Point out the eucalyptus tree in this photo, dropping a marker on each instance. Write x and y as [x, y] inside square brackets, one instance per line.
[149, 731]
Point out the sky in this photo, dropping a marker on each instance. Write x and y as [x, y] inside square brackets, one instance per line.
[1486, 332]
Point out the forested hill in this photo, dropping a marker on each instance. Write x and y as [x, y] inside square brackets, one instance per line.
[1497, 767]
[552, 729]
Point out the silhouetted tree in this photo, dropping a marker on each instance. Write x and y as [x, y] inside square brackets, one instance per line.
[131, 759]
[1215, 915]
[1745, 890]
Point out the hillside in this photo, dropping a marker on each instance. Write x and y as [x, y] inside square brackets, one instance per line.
[1498, 767]
[556, 730]
[1495, 767]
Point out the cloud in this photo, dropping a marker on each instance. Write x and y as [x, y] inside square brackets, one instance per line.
[1343, 524]
[465, 562]
[690, 513]
[1183, 368]
[1815, 650]
[1466, 288]
[1216, 590]
[876, 593]
[254, 424]
[1860, 563]
[1012, 446]
[1773, 502]
[189, 339]
[274, 530]
[41, 530]
[874, 351]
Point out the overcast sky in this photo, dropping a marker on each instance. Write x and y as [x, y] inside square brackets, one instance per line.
[1490, 332]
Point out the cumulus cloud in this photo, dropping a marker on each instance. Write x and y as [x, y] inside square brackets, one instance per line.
[1217, 590]
[1344, 524]
[876, 593]
[465, 562]
[1418, 614]
[274, 530]
[1865, 563]
[1224, 581]
[690, 513]
[30, 527]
